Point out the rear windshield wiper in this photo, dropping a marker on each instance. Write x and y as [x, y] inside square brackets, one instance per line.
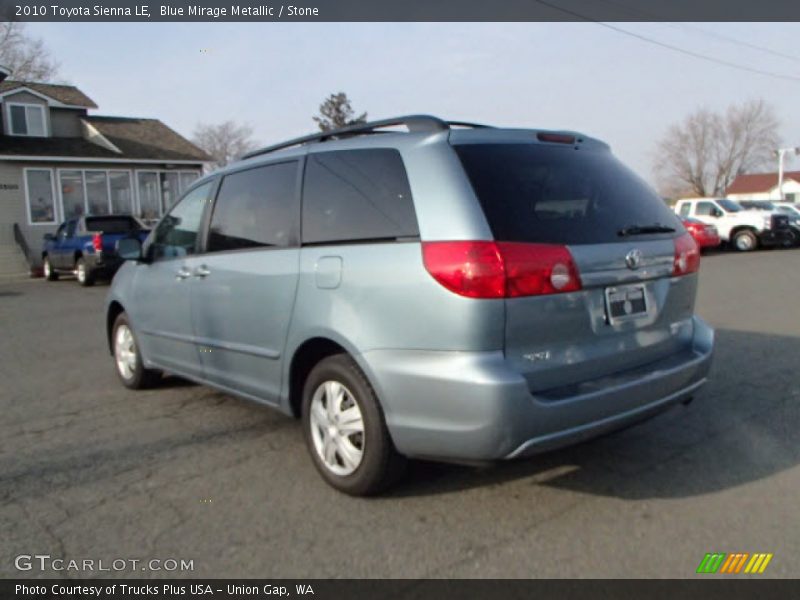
[642, 229]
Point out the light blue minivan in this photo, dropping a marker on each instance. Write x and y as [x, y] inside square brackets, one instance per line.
[420, 288]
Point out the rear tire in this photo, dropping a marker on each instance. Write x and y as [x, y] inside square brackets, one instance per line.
[745, 241]
[83, 273]
[345, 429]
[49, 273]
[128, 359]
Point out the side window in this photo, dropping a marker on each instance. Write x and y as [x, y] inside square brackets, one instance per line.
[355, 195]
[255, 208]
[62, 232]
[71, 227]
[176, 233]
[704, 209]
[684, 211]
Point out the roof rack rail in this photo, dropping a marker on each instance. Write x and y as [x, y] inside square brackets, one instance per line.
[469, 125]
[415, 124]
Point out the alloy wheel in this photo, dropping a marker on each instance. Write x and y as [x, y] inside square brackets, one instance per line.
[337, 428]
[744, 242]
[125, 351]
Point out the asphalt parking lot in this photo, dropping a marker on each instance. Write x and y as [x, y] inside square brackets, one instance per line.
[90, 470]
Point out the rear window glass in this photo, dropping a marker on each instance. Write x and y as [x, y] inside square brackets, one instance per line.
[112, 224]
[559, 195]
[353, 195]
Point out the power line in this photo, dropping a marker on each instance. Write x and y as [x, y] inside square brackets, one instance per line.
[697, 55]
[731, 40]
[654, 17]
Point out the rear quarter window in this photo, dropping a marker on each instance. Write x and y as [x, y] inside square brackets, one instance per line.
[357, 195]
[559, 195]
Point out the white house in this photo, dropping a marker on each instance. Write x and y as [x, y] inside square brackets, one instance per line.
[764, 186]
[58, 162]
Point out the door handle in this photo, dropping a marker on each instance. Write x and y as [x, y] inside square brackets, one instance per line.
[183, 273]
[202, 272]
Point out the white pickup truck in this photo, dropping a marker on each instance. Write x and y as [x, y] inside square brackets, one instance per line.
[742, 229]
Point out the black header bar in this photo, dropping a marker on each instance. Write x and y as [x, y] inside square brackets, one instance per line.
[708, 587]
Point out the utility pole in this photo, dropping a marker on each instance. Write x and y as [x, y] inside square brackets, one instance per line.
[780, 153]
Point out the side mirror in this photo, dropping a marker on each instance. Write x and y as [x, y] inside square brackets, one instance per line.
[129, 249]
[49, 237]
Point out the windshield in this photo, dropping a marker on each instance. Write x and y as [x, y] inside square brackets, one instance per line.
[559, 195]
[729, 205]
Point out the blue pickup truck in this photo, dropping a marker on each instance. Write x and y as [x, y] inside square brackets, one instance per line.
[87, 247]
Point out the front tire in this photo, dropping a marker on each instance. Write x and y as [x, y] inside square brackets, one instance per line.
[745, 241]
[128, 359]
[345, 429]
[49, 273]
[83, 273]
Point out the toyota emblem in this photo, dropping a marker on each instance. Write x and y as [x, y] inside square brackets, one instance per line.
[633, 258]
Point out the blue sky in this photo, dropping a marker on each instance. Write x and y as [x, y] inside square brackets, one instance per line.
[552, 75]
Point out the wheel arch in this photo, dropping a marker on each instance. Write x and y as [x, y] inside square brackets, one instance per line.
[739, 228]
[115, 309]
[305, 357]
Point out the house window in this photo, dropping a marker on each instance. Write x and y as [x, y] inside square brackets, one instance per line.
[170, 189]
[790, 197]
[187, 178]
[149, 195]
[159, 190]
[73, 200]
[119, 185]
[96, 192]
[40, 196]
[27, 119]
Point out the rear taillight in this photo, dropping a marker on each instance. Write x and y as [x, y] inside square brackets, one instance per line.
[687, 256]
[97, 242]
[538, 269]
[485, 269]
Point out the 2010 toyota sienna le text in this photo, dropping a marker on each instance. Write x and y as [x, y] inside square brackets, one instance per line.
[453, 292]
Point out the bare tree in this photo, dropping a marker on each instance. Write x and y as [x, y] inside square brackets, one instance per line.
[337, 112]
[704, 153]
[25, 56]
[225, 142]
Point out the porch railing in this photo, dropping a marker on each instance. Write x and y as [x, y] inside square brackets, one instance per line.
[23, 245]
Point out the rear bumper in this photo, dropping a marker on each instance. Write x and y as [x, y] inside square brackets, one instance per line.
[774, 237]
[472, 407]
[103, 265]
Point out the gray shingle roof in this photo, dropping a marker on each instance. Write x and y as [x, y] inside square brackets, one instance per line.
[146, 138]
[136, 138]
[67, 94]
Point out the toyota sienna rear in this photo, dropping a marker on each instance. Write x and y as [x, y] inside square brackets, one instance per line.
[454, 292]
